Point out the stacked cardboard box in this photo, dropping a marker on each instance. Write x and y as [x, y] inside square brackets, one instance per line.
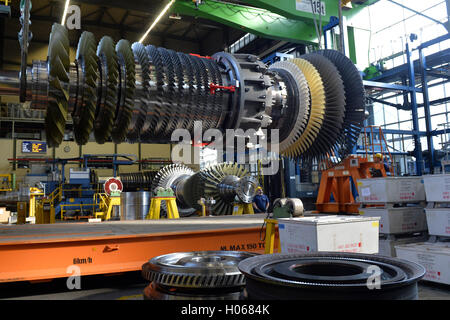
[433, 255]
[399, 203]
[4, 215]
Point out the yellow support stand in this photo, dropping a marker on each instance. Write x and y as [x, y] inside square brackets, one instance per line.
[34, 194]
[106, 206]
[243, 208]
[270, 236]
[45, 213]
[22, 210]
[155, 208]
[203, 214]
[202, 203]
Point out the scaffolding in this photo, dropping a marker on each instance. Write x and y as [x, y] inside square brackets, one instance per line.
[408, 80]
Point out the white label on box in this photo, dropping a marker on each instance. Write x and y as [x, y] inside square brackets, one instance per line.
[428, 262]
[293, 241]
[438, 221]
[365, 192]
[434, 257]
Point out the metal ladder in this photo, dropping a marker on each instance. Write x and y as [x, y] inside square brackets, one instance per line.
[445, 146]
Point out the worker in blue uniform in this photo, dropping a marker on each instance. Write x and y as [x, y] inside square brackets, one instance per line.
[260, 201]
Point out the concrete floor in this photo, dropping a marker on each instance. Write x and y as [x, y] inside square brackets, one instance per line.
[130, 286]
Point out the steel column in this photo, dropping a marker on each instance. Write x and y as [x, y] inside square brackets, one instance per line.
[415, 117]
[426, 105]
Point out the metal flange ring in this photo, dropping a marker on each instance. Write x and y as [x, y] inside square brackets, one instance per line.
[330, 275]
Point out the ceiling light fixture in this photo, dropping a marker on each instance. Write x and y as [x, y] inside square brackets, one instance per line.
[66, 6]
[156, 20]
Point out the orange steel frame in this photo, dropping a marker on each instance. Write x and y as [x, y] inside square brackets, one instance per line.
[370, 142]
[337, 181]
[44, 259]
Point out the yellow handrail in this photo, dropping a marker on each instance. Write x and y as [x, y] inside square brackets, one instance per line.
[56, 193]
[102, 199]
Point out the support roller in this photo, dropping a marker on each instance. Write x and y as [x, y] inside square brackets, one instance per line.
[226, 183]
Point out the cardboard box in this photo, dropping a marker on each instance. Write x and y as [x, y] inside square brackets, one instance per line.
[437, 187]
[398, 220]
[391, 190]
[4, 215]
[438, 220]
[329, 233]
[387, 246]
[434, 257]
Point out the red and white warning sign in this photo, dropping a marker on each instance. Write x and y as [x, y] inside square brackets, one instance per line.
[113, 185]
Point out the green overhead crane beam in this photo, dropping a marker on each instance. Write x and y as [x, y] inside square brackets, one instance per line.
[286, 20]
[295, 9]
[257, 21]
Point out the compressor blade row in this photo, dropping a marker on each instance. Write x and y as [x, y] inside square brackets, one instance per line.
[135, 93]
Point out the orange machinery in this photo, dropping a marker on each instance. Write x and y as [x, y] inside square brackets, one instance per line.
[338, 180]
[47, 251]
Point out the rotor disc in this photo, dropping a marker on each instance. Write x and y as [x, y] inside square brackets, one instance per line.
[155, 111]
[166, 178]
[58, 93]
[317, 108]
[124, 111]
[214, 186]
[83, 115]
[354, 97]
[303, 103]
[106, 108]
[322, 146]
[139, 111]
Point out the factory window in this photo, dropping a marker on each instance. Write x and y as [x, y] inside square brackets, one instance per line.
[242, 42]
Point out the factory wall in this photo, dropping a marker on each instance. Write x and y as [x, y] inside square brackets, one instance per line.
[69, 149]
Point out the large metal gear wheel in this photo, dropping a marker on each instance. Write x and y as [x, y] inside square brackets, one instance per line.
[197, 269]
[299, 104]
[58, 82]
[84, 112]
[329, 275]
[126, 98]
[155, 110]
[354, 98]
[143, 78]
[222, 182]
[317, 108]
[135, 181]
[107, 103]
[169, 177]
[322, 147]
